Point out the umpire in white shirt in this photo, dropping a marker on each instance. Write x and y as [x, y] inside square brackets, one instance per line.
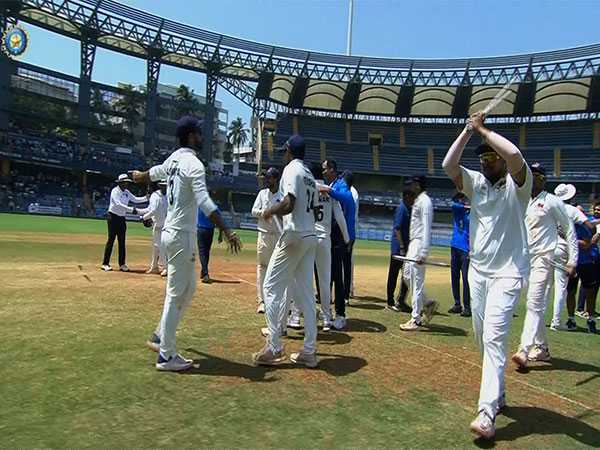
[117, 227]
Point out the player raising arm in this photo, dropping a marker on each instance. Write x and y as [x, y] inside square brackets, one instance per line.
[499, 196]
[186, 191]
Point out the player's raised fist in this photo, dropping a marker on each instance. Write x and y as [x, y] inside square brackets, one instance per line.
[477, 120]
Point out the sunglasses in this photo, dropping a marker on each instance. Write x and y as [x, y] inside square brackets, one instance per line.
[488, 158]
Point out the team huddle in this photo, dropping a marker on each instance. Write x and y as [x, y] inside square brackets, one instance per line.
[521, 238]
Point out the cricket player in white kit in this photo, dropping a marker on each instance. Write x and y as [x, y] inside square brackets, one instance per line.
[545, 215]
[291, 265]
[268, 231]
[186, 192]
[499, 196]
[421, 220]
[564, 192]
[157, 212]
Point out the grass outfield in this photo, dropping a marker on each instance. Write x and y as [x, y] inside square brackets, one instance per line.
[76, 373]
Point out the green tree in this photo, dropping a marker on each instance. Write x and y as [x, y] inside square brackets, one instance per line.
[185, 102]
[238, 133]
[130, 105]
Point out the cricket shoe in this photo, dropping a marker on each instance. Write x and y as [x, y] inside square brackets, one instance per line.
[339, 323]
[591, 325]
[154, 270]
[411, 325]
[124, 268]
[402, 307]
[556, 326]
[106, 267]
[304, 358]
[264, 331]
[466, 313]
[429, 310]
[520, 359]
[163, 273]
[582, 314]
[154, 343]
[456, 309]
[539, 354]
[294, 322]
[206, 279]
[483, 426]
[260, 309]
[327, 324]
[571, 325]
[266, 357]
[175, 363]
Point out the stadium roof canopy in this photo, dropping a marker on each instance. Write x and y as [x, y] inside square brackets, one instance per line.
[561, 82]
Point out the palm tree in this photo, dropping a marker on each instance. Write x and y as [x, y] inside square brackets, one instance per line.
[186, 103]
[238, 133]
[129, 105]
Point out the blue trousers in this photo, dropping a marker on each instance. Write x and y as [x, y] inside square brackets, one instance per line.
[205, 240]
[459, 264]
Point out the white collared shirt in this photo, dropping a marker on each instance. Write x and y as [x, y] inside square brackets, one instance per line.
[421, 221]
[157, 209]
[186, 189]
[327, 209]
[545, 215]
[498, 236]
[119, 201]
[298, 181]
[264, 200]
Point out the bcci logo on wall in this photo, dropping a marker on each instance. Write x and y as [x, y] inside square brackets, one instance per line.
[15, 42]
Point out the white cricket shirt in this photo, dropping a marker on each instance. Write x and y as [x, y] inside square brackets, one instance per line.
[545, 213]
[264, 200]
[328, 208]
[575, 216]
[299, 182]
[355, 196]
[421, 220]
[157, 209]
[119, 201]
[498, 237]
[186, 189]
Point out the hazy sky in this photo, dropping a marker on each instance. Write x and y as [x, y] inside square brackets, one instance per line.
[391, 28]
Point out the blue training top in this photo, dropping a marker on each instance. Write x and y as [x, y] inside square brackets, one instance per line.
[460, 221]
[588, 255]
[205, 222]
[402, 223]
[341, 192]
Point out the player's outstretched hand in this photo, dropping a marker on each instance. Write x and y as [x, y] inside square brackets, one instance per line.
[323, 188]
[137, 176]
[233, 242]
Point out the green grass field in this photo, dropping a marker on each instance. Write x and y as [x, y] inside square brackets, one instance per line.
[76, 373]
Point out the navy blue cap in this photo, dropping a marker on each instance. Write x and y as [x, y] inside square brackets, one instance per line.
[537, 167]
[295, 144]
[188, 124]
[272, 172]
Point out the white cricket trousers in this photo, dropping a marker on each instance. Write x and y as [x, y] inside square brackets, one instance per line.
[493, 301]
[541, 279]
[561, 280]
[291, 267]
[181, 249]
[414, 274]
[158, 252]
[265, 245]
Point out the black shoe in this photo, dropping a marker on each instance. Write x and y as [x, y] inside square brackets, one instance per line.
[591, 324]
[456, 309]
[466, 313]
[402, 307]
[571, 325]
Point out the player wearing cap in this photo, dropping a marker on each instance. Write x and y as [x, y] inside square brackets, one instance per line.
[421, 220]
[268, 231]
[499, 196]
[120, 197]
[157, 213]
[565, 192]
[545, 215]
[292, 262]
[186, 191]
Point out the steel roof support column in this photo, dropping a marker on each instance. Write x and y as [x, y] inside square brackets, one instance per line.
[7, 68]
[87, 57]
[152, 73]
[209, 116]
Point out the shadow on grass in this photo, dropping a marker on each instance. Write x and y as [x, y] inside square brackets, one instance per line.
[333, 364]
[446, 330]
[367, 306]
[531, 420]
[217, 281]
[570, 366]
[364, 326]
[327, 338]
[368, 298]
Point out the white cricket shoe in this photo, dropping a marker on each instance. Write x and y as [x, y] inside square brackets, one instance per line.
[106, 267]
[520, 359]
[304, 358]
[175, 363]
[153, 270]
[294, 322]
[261, 308]
[411, 325]
[539, 354]
[327, 324]
[124, 268]
[339, 323]
[265, 332]
[557, 326]
[163, 273]
[483, 426]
